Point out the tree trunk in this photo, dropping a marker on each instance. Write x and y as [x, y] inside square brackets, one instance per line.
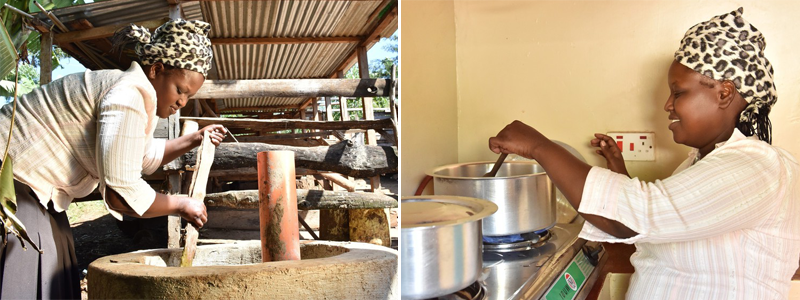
[306, 199]
[349, 157]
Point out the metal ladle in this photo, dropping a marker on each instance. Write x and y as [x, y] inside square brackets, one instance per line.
[496, 166]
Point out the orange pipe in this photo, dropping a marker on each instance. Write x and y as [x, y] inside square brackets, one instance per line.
[277, 206]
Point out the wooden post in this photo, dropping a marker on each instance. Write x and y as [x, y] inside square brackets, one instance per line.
[196, 108]
[45, 59]
[369, 225]
[277, 206]
[328, 109]
[343, 109]
[315, 110]
[175, 10]
[363, 70]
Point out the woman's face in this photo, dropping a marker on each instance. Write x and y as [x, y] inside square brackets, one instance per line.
[694, 108]
[173, 88]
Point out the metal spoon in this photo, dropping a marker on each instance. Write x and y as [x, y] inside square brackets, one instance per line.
[496, 166]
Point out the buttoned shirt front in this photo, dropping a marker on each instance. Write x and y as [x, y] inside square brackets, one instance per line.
[725, 227]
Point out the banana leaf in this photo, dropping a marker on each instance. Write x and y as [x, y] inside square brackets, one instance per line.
[8, 198]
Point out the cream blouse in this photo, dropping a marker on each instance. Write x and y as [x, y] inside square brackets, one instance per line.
[83, 130]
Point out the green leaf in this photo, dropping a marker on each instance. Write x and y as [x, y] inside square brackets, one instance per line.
[7, 183]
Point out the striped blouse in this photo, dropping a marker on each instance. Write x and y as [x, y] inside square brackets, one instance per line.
[86, 129]
[727, 227]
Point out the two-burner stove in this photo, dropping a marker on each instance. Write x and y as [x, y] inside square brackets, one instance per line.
[553, 264]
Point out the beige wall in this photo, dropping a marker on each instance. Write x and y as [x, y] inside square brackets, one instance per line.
[573, 68]
[428, 90]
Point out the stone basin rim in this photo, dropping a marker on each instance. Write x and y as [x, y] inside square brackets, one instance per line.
[128, 264]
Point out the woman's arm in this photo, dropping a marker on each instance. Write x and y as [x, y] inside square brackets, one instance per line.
[567, 172]
[194, 211]
[179, 146]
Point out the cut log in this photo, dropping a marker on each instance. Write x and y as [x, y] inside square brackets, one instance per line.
[349, 157]
[306, 199]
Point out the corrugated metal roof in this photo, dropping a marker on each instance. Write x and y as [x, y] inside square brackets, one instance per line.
[112, 12]
[258, 19]
[283, 19]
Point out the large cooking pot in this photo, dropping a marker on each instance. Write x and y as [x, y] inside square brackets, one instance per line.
[440, 244]
[523, 192]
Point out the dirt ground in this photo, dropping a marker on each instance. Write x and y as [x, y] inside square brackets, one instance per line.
[97, 233]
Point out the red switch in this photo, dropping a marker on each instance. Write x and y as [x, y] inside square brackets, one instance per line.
[631, 146]
[619, 145]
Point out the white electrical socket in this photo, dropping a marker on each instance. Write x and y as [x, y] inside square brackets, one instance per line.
[635, 146]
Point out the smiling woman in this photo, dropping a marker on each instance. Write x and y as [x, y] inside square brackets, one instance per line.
[95, 130]
[730, 208]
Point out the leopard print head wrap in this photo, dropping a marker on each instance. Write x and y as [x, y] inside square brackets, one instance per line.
[178, 43]
[729, 48]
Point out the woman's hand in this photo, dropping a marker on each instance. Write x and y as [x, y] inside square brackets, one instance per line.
[517, 138]
[193, 211]
[215, 131]
[610, 151]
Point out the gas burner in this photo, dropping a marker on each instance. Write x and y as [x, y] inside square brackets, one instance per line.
[528, 241]
[474, 291]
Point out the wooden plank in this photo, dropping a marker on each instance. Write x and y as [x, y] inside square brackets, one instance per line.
[283, 124]
[286, 41]
[102, 32]
[274, 137]
[340, 180]
[45, 58]
[197, 190]
[306, 199]
[293, 88]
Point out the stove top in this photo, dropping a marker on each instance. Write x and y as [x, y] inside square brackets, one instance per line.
[528, 270]
[475, 291]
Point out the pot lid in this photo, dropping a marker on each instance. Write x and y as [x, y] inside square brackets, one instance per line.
[438, 210]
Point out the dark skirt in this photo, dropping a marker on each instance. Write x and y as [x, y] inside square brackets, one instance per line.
[26, 274]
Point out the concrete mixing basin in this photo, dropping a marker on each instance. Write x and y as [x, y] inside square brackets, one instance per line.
[327, 270]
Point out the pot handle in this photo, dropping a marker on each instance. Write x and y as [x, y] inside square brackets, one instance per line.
[423, 184]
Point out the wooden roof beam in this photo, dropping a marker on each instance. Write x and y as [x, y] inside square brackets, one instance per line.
[101, 32]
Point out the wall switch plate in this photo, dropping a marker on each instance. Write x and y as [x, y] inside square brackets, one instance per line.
[635, 146]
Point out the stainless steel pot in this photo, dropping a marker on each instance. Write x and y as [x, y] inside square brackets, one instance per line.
[440, 244]
[524, 194]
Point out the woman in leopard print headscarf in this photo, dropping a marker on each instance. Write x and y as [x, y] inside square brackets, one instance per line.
[726, 224]
[727, 47]
[94, 130]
